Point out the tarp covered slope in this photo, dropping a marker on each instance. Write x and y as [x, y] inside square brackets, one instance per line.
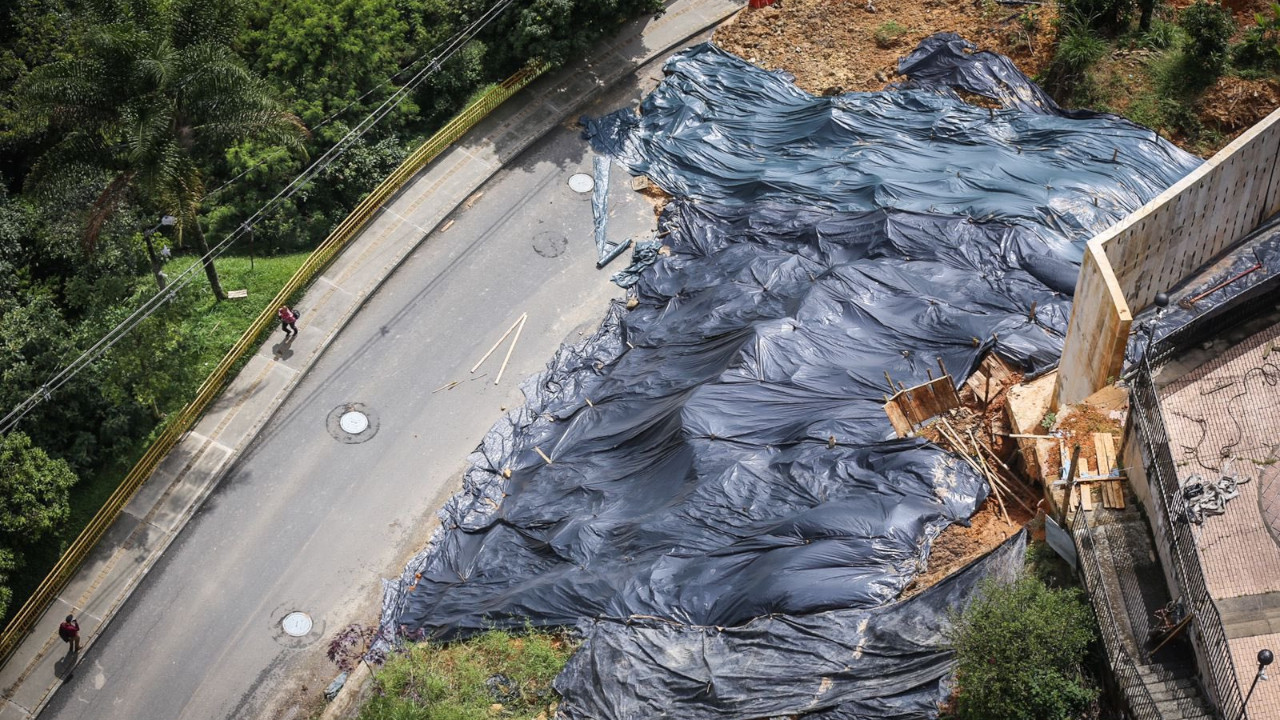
[887, 663]
[718, 453]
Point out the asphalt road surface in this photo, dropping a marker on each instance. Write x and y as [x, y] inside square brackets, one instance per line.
[307, 522]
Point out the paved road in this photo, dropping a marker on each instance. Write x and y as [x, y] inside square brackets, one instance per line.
[307, 522]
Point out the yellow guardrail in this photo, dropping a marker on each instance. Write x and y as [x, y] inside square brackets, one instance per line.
[24, 620]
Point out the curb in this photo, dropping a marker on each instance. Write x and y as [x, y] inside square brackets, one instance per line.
[361, 678]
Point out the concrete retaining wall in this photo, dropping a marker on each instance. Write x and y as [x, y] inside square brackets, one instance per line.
[1159, 245]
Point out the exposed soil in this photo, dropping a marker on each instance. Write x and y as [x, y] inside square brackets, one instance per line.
[1233, 104]
[957, 545]
[834, 46]
[984, 423]
[1078, 424]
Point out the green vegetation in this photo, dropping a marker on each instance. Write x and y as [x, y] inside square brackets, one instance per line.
[1260, 48]
[493, 675]
[1020, 648]
[114, 113]
[1181, 73]
[34, 489]
[1209, 28]
[889, 34]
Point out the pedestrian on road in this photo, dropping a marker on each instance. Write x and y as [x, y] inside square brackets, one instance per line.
[288, 317]
[69, 631]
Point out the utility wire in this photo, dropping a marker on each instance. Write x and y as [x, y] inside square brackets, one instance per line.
[337, 113]
[148, 308]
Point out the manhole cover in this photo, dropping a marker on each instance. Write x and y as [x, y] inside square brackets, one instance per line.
[354, 422]
[581, 182]
[550, 243]
[296, 624]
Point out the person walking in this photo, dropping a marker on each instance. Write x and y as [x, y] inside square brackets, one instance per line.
[288, 318]
[69, 631]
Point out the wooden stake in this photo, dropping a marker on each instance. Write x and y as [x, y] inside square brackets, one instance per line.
[495, 345]
[544, 455]
[510, 349]
[892, 389]
[1012, 477]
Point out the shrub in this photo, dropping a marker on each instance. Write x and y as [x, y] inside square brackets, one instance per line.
[463, 680]
[1209, 28]
[1162, 35]
[1260, 49]
[1108, 16]
[889, 34]
[1019, 649]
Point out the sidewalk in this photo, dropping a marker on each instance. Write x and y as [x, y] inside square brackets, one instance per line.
[158, 512]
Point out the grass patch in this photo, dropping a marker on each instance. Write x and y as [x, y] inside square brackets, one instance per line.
[212, 328]
[493, 675]
[889, 34]
[216, 326]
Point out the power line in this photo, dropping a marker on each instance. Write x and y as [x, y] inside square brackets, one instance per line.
[336, 113]
[148, 308]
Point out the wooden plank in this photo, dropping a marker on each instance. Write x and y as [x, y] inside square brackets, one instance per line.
[1113, 494]
[900, 424]
[1086, 492]
[1104, 445]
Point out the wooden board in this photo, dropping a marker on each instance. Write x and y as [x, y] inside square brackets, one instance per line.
[1086, 491]
[1104, 444]
[897, 419]
[911, 407]
[1113, 495]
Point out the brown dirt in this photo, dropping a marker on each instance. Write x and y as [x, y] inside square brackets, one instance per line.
[656, 196]
[1078, 424]
[1233, 104]
[834, 46]
[957, 546]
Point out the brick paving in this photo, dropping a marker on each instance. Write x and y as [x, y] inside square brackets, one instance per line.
[1231, 406]
[1265, 702]
[1220, 416]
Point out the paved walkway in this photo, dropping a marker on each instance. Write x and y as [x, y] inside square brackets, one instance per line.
[158, 513]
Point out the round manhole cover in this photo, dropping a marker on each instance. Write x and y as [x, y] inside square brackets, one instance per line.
[296, 624]
[354, 422]
[550, 243]
[581, 182]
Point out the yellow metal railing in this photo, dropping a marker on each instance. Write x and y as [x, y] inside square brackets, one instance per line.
[24, 620]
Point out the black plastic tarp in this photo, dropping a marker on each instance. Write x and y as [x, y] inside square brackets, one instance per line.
[1234, 277]
[719, 452]
[889, 663]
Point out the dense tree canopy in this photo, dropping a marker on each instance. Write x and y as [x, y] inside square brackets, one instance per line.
[116, 112]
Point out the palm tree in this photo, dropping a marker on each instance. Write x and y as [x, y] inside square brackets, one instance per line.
[153, 93]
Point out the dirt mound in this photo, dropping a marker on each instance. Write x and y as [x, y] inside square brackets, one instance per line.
[834, 46]
[1234, 104]
[959, 545]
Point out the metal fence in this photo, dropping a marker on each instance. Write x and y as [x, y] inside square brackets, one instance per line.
[1187, 569]
[1137, 698]
[26, 617]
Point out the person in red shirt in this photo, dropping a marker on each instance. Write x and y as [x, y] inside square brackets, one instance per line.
[288, 317]
[69, 631]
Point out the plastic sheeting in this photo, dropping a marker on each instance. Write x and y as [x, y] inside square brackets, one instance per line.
[1232, 278]
[719, 453]
[888, 663]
